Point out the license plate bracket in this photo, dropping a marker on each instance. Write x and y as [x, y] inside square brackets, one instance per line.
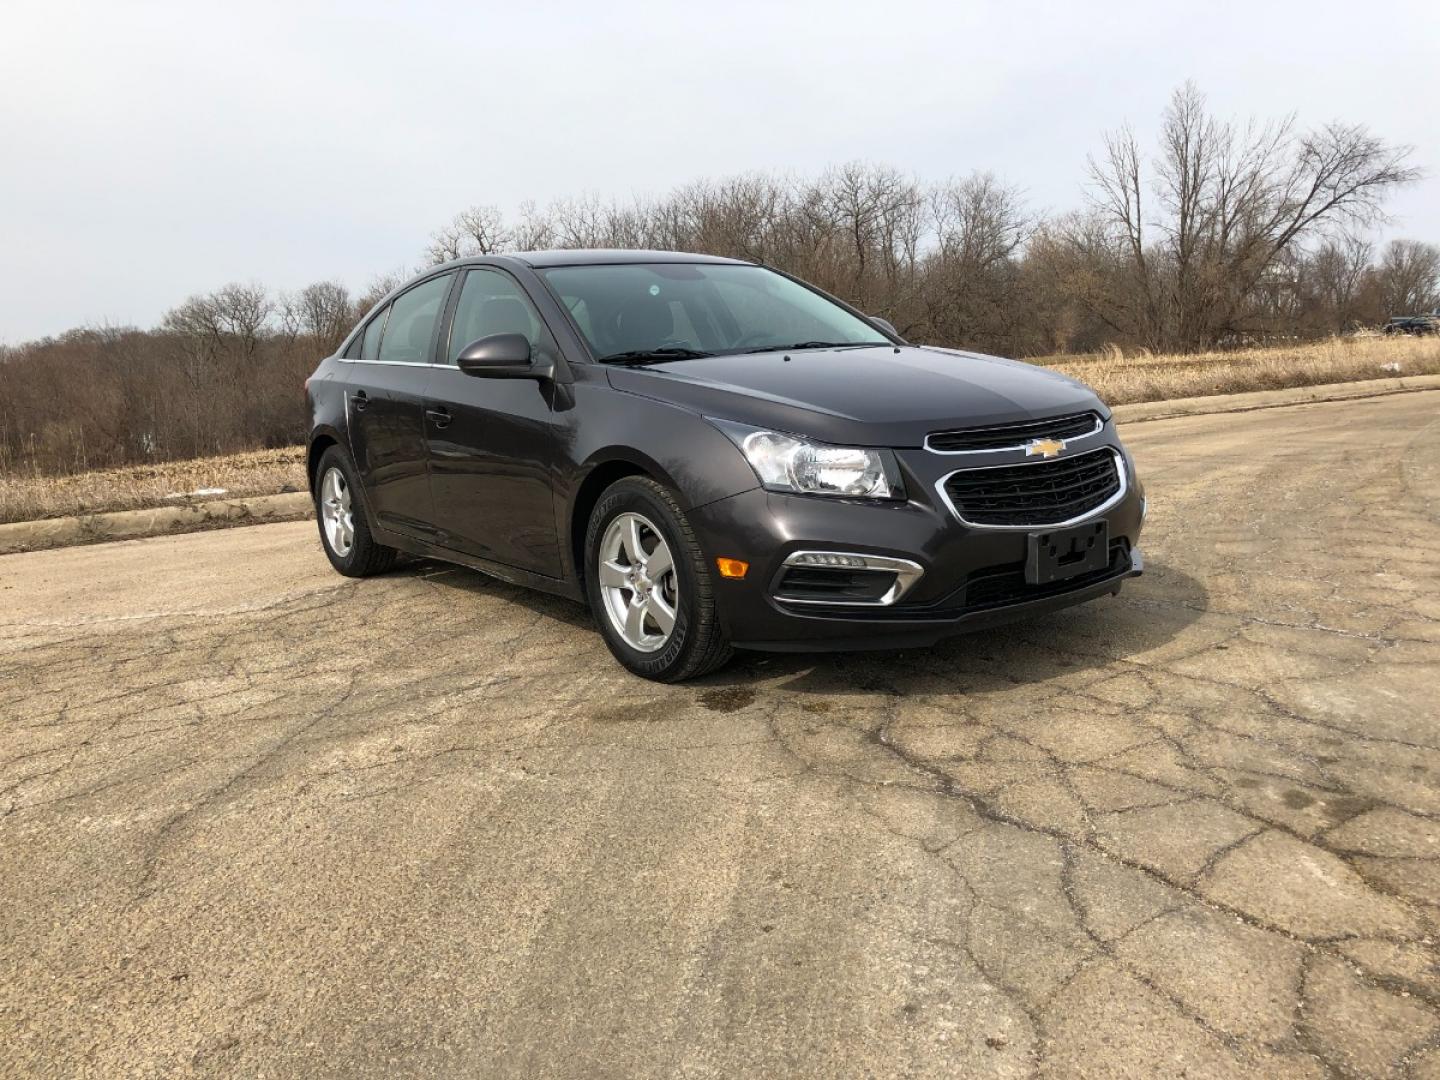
[1066, 553]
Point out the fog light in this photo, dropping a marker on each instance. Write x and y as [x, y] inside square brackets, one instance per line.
[827, 558]
[846, 577]
[732, 568]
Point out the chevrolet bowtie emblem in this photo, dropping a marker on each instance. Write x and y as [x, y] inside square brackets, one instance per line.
[1046, 448]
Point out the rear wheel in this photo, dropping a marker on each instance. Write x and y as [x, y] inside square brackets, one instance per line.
[344, 530]
[649, 586]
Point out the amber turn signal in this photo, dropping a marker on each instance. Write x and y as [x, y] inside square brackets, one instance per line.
[732, 568]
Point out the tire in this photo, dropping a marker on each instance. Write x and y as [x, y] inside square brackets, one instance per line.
[695, 644]
[364, 556]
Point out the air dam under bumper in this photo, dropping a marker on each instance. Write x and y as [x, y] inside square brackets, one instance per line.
[763, 528]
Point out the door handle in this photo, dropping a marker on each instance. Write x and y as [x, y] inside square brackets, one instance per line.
[439, 417]
[361, 399]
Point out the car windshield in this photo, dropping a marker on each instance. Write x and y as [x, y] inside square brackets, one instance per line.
[647, 312]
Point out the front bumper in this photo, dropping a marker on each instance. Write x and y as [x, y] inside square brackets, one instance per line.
[968, 584]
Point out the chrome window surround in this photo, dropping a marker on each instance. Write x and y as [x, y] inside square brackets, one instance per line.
[906, 572]
[1096, 430]
[396, 363]
[1106, 505]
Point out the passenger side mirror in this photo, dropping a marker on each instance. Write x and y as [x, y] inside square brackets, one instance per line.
[503, 356]
[885, 324]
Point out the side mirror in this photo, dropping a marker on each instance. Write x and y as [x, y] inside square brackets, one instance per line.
[503, 356]
[885, 324]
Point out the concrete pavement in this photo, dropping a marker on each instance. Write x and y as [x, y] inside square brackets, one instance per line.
[256, 819]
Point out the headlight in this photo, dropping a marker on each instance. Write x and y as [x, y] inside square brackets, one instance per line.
[789, 463]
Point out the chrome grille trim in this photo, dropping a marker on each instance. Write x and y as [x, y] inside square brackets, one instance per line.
[1096, 430]
[1100, 509]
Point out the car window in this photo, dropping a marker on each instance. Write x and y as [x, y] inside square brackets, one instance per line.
[412, 322]
[709, 307]
[492, 302]
[680, 319]
[753, 303]
[370, 350]
[580, 312]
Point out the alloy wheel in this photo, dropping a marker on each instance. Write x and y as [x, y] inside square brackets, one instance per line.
[638, 582]
[336, 512]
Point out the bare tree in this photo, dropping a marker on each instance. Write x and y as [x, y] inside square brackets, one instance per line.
[480, 230]
[971, 273]
[1119, 201]
[1336, 273]
[1228, 202]
[582, 222]
[1409, 277]
[325, 312]
[240, 312]
[533, 232]
[380, 286]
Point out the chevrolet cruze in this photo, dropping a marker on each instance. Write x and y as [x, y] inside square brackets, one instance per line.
[713, 455]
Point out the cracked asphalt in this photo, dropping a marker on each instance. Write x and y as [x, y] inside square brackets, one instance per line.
[256, 819]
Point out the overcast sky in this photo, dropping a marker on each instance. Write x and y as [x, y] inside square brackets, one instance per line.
[149, 151]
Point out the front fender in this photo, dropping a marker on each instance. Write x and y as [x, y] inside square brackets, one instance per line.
[676, 445]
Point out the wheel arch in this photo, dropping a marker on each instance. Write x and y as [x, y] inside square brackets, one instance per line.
[320, 441]
[616, 464]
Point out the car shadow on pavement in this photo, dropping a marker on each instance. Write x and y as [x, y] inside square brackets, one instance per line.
[474, 582]
[1150, 612]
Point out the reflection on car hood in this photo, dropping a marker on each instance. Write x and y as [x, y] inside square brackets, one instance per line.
[880, 396]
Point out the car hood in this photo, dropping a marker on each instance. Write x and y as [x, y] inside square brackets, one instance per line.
[874, 396]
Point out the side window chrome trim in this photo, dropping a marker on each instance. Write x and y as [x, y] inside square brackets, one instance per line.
[394, 363]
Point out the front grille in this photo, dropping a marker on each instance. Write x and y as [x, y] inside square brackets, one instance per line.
[1036, 493]
[1010, 436]
[999, 586]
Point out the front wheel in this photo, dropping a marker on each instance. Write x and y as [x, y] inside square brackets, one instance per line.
[649, 586]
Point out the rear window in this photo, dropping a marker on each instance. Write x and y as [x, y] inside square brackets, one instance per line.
[370, 346]
[411, 325]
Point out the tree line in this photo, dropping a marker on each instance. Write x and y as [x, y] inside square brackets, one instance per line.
[1222, 234]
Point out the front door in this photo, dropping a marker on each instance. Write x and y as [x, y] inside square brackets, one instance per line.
[386, 407]
[493, 442]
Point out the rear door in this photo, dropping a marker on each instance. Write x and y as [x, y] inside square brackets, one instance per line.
[386, 411]
[494, 443]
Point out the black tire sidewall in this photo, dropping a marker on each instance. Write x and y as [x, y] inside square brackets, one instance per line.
[335, 458]
[633, 497]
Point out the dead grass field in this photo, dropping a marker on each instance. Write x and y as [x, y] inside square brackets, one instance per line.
[1121, 379]
[1118, 378]
[258, 472]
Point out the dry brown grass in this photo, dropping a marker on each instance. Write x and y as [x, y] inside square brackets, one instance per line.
[1121, 379]
[259, 472]
[1118, 379]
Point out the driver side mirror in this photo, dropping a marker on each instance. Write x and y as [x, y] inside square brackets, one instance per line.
[503, 356]
[885, 324]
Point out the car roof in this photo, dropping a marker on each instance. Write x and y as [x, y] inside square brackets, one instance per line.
[611, 256]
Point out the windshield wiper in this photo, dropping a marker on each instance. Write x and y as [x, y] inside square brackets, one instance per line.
[793, 346]
[638, 357]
